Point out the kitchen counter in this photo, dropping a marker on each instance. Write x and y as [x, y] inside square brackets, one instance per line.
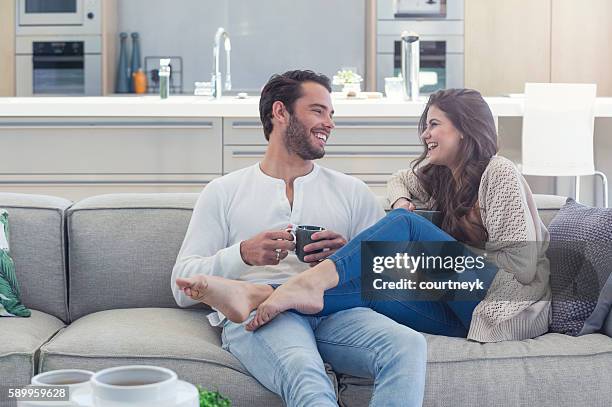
[200, 106]
[145, 144]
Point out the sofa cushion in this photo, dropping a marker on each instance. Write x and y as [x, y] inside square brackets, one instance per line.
[546, 371]
[20, 339]
[123, 248]
[39, 251]
[548, 206]
[580, 254]
[181, 340]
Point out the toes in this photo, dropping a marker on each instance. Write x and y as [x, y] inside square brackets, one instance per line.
[268, 316]
[256, 322]
[251, 326]
[182, 282]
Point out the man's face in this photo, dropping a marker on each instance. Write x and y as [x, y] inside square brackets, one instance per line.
[311, 123]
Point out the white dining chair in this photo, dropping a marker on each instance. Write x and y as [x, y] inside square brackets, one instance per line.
[558, 122]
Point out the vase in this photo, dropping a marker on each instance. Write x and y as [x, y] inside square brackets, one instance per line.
[351, 89]
[135, 62]
[123, 76]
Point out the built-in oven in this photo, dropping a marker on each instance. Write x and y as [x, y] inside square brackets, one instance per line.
[440, 26]
[441, 61]
[58, 17]
[58, 66]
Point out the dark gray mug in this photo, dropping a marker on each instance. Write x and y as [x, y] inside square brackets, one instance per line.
[303, 237]
[434, 217]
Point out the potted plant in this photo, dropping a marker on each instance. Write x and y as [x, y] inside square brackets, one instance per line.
[350, 82]
[212, 398]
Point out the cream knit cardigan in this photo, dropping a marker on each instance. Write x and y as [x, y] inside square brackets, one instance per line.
[517, 304]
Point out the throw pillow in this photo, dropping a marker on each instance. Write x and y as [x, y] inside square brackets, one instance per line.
[607, 327]
[580, 255]
[597, 320]
[10, 303]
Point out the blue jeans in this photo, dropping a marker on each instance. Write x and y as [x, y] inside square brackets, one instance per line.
[287, 355]
[451, 318]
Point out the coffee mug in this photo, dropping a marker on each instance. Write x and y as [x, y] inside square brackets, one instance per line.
[434, 217]
[137, 385]
[303, 237]
[74, 379]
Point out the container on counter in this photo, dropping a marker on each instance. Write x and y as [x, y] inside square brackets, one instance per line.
[164, 78]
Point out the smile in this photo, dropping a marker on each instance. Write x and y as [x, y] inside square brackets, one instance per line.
[322, 137]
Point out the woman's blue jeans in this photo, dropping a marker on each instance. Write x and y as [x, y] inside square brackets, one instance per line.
[449, 318]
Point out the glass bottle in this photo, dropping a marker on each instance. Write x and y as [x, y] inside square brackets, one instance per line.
[164, 78]
[123, 79]
[135, 63]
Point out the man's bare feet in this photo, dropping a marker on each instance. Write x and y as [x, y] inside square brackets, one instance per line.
[234, 299]
[303, 293]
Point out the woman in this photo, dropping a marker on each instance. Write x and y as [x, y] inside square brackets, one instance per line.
[484, 201]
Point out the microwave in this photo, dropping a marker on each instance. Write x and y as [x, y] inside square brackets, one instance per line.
[419, 10]
[63, 17]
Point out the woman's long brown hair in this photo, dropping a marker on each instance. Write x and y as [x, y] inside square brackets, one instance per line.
[472, 117]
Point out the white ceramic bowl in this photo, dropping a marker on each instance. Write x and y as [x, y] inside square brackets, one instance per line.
[75, 379]
[137, 385]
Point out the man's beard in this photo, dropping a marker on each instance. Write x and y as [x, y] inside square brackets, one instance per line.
[297, 141]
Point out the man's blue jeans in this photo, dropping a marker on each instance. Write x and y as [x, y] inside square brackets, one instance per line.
[451, 318]
[287, 355]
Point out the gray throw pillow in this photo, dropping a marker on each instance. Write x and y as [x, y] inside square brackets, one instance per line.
[580, 255]
[607, 326]
[597, 320]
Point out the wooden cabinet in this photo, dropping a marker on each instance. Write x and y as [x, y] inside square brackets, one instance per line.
[510, 42]
[7, 48]
[507, 43]
[581, 50]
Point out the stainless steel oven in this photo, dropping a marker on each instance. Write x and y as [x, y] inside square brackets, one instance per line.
[59, 66]
[441, 61]
[440, 26]
[58, 17]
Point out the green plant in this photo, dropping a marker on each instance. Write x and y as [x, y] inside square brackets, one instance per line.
[346, 76]
[212, 398]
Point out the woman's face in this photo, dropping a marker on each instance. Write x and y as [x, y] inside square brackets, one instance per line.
[442, 138]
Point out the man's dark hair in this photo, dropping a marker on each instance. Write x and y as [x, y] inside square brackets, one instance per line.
[286, 88]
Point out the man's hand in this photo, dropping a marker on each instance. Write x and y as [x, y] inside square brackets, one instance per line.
[267, 248]
[403, 203]
[326, 239]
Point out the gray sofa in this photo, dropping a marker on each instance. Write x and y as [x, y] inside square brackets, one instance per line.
[97, 276]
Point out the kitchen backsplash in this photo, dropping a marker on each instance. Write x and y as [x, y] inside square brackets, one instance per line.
[267, 36]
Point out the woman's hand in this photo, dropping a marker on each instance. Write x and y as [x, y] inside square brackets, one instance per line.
[403, 203]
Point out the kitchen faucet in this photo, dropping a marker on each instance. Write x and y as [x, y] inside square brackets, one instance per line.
[216, 75]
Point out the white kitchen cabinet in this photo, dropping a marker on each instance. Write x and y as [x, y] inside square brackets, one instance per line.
[86, 156]
[368, 148]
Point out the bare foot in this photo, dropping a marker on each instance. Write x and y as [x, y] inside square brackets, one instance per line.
[303, 293]
[234, 299]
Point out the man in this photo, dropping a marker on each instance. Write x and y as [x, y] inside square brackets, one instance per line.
[238, 232]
